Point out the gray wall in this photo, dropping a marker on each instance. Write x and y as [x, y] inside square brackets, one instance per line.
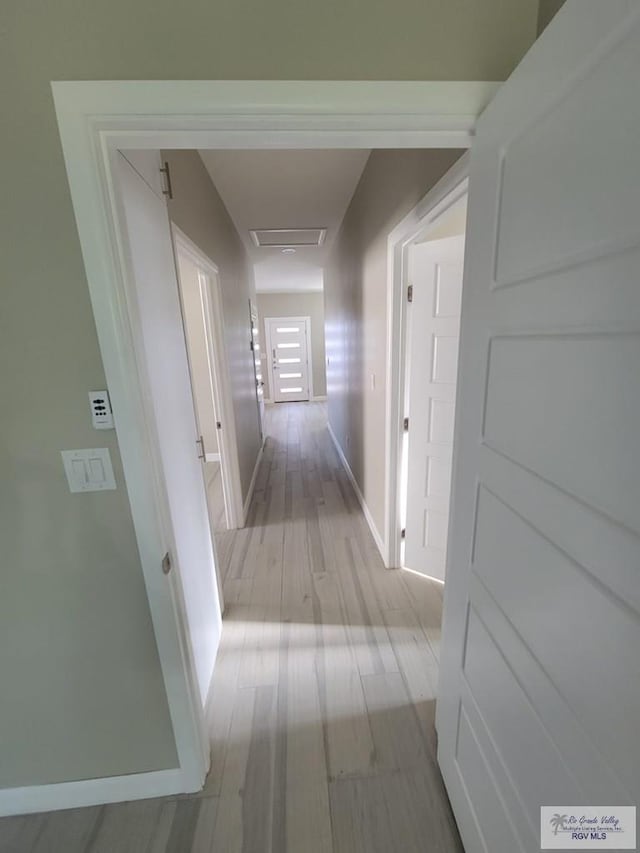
[77, 656]
[198, 210]
[298, 305]
[355, 289]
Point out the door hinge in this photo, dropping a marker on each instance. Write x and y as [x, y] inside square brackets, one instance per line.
[218, 425]
[166, 564]
[410, 293]
[251, 345]
[403, 533]
[168, 190]
[405, 424]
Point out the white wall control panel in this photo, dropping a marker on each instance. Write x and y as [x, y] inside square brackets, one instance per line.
[101, 414]
[88, 470]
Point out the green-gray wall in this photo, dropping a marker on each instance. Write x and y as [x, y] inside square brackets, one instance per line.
[81, 692]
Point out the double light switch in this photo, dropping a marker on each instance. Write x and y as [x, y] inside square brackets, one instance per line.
[88, 470]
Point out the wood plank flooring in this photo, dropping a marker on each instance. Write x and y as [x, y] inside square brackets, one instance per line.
[322, 736]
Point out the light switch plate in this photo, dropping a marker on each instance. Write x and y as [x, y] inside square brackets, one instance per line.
[101, 413]
[88, 470]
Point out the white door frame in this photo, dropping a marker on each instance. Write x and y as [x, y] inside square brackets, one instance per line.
[307, 334]
[219, 378]
[95, 119]
[453, 186]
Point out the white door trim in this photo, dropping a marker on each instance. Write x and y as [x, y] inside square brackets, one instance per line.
[131, 114]
[307, 334]
[220, 379]
[95, 119]
[449, 189]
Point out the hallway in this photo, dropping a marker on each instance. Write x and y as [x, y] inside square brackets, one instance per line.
[322, 725]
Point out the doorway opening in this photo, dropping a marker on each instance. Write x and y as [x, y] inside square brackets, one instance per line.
[199, 288]
[435, 274]
[427, 259]
[123, 119]
[299, 468]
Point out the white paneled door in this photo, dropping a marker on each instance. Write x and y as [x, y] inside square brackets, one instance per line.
[288, 343]
[433, 328]
[189, 540]
[539, 697]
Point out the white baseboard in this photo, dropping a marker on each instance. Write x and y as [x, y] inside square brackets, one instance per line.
[356, 488]
[252, 485]
[320, 399]
[212, 457]
[91, 792]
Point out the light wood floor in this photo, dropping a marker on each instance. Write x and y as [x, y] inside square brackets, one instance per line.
[322, 721]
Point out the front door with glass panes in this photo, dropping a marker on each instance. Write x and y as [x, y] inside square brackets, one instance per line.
[288, 348]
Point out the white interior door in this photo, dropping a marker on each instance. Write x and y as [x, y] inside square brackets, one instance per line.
[539, 697]
[289, 351]
[165, 356]
[433, 327]
[198, 350]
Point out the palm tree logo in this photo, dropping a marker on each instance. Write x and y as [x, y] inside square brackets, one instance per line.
[557, 822]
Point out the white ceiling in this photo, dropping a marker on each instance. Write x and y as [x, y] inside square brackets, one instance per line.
[286, 189]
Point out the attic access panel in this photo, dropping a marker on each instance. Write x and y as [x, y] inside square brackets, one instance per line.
[283, 238]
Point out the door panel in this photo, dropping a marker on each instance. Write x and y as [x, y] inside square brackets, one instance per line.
[158, 308]
[198, 348]
[539, 692]
[288, 339]
[435, 272]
